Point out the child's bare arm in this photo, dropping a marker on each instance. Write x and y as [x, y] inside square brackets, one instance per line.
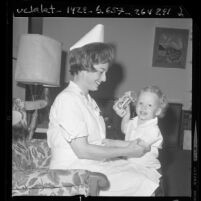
[125, 120]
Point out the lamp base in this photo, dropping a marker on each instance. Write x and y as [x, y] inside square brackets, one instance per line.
[33, 124]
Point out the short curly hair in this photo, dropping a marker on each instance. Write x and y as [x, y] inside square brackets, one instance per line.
[83, 58]
[162, 98]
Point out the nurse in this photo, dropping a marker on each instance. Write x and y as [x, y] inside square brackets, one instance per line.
[76, 128]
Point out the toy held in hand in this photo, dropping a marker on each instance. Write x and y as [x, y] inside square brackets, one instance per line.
[122, 103]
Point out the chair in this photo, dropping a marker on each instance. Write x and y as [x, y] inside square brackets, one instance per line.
[30, 164]
[171, 129]
[31, 176]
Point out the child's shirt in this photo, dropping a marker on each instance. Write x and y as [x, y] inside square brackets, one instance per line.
[150, 133]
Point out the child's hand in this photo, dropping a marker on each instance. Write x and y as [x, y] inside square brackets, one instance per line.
[127, 112]
[121, 106]
[123, 112]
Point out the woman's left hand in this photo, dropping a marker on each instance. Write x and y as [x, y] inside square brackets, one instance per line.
[147, 147]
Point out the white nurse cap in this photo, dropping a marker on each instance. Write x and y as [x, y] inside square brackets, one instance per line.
[94, 35]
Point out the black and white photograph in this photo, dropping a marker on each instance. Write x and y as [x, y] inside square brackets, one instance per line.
[102, 105]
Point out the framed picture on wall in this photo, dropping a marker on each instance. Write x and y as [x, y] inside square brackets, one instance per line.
[170, 47]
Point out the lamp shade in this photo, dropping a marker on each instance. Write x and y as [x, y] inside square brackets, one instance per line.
[38, 60]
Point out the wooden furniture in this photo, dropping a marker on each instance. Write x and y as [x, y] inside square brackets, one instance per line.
[187, 130]
[31, 175]
[171, 126]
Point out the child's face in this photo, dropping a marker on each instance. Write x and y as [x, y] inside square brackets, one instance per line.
[148, 106]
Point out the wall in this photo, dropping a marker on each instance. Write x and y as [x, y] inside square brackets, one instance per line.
[134, 39]
[20, 26]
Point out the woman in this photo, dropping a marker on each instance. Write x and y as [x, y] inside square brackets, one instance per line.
[76, 128]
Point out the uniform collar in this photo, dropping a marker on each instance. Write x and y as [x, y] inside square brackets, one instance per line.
[76, 89]
[88, 100]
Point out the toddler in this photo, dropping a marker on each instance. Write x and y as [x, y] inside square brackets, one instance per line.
[150, 105]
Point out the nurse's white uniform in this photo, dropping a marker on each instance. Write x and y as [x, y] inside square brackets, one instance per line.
[72, 115]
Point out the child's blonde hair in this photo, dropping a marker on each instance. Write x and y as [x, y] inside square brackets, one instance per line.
[162, 98]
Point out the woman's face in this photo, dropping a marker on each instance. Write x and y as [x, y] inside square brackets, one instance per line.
[148, 106]
[94, 79]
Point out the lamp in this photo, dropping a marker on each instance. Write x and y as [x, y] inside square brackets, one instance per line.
[38, 63]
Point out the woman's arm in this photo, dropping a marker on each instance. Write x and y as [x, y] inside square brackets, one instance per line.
[84, 150]
[115, 143]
